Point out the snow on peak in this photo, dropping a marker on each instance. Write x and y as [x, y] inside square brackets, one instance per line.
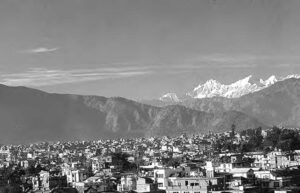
[169, 97]
[209, 84]
[236, 89]
[292, 76]
[213, 88]
[242, 82]
[271, 80]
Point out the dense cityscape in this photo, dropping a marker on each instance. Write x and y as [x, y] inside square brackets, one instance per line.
[149, 96]
[252, 160]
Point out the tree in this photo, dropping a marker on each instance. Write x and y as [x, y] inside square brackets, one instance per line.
[120, 159]
[233, 128]
[174, 162]
[288, 140]
[273, 136]
[255, 139]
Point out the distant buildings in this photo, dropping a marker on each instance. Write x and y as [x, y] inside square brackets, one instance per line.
[183, 164]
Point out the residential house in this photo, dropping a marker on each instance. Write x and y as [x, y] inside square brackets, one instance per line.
[145, 185]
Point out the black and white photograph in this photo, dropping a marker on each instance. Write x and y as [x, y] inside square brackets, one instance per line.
[149, 96]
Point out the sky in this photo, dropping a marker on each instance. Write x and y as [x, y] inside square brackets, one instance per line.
[141, 49]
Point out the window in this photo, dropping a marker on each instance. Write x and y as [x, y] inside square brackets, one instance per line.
[285, 183]
[186, 192]
[160, 175]
[160, 184]
[276, 184]
[265, 184]
[186, 183]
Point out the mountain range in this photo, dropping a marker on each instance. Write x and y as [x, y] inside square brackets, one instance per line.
[278, 103]
[30, 115]
[213, 88]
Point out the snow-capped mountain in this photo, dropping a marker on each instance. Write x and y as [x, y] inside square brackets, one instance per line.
[213, 88]
[271, 80]
[169, 97]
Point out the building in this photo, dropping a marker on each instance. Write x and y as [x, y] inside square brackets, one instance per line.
[145, 185]
[273, 179]
[161, 175]
[195, 184]
[128, 183]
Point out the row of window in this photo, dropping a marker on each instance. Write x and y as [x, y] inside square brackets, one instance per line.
[160, 175]
[186, 192]
[186, 184]
[275, 184]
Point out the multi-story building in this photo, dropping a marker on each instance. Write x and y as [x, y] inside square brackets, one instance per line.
[161, 175]
[128, 183]
[74, 175]
[195, 184]
[145, 185]
[273, 179]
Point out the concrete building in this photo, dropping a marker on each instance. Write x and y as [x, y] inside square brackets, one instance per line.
[273, 179]
[145, 185]
[161, 175]
[128, 183]
[195, 184]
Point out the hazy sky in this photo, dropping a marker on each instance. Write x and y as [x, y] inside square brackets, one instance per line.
[144, 48]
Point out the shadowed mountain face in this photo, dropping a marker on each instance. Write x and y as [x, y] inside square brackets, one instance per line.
[29, 115]
[278, 104]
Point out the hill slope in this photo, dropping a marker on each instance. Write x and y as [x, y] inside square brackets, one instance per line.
[278, 104]
[29, 115]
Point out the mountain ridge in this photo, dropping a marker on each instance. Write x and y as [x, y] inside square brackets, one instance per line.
[278, 104]
[29, 115]
[213, 88]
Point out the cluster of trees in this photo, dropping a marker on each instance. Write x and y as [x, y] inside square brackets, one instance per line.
[11, 177]
[254, 140]
[284, 139]
[12, 174]
[121, 159]
[173, 162]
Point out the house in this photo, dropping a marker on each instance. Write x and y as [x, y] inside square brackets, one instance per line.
[131, 159]
[195, 184]
[24, 163]
[273, 179]
[74, 175]
[236, 182]
[41, 182]
[243, 172]
[97, 164]
[224, 167]
[128, 183]
[44, 180]
[161, 175]
[145, 185]
[64, 190]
